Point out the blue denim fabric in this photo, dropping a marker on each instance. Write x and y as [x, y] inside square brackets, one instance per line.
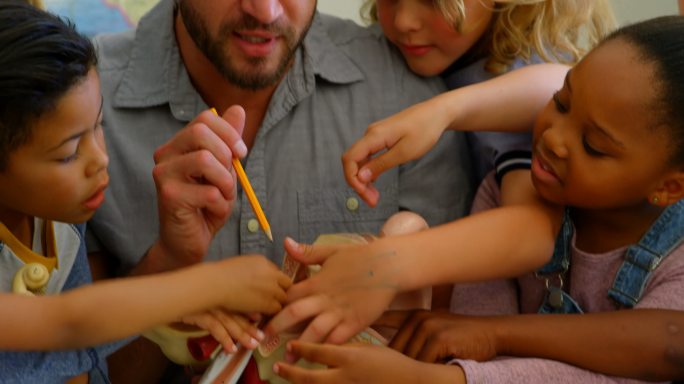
[640, 260]
[59, 366]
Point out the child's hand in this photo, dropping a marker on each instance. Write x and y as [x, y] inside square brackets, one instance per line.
[360, 363]
[252, 284]
[435, 336]
[407, 135]
[227, 328]
[344, 297]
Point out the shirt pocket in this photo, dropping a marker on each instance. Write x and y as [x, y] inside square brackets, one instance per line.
[340, 210]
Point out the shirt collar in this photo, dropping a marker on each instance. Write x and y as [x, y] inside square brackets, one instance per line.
[155, 74]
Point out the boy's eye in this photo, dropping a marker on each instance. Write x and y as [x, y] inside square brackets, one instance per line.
[591, 150]
[560, 107]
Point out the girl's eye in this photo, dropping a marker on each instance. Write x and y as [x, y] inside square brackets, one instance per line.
[560, 107]
[591, 150]
[69, 158]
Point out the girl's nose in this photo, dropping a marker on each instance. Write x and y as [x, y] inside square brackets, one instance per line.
[554, 141]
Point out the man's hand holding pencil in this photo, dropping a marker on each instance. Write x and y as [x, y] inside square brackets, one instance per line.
[196, 168]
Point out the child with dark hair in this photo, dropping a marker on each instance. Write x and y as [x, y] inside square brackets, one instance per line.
[53, 176]
[609, 147]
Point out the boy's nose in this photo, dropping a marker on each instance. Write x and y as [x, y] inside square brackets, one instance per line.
[99, 160]
[266, 11]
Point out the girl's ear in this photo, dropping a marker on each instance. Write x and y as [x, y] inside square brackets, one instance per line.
[670, 191]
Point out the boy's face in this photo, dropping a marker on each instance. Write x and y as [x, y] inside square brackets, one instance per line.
[61, 172]
[597, 144]
[427, 41]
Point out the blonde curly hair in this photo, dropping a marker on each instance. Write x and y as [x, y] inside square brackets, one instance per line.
[36, 3]
[557, 30]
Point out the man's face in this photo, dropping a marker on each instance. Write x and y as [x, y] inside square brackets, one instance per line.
[251, 42]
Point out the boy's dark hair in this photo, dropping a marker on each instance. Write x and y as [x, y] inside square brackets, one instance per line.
[41, 58]
[661, 42]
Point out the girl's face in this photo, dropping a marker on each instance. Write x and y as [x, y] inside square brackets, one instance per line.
[61, 172]
[428, 42]
[597, 144]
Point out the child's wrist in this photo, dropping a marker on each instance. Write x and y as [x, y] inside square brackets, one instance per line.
[449, 111]
[500, 333]
[393, 266]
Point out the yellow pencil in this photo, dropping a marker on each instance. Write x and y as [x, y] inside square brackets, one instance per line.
[253, 201]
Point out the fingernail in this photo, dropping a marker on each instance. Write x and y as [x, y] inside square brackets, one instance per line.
[260, 335]
[365, 175]
[253, 342]
[241, 149]
[233, 348]
[292, 243]
[289, 356]
[276, 368]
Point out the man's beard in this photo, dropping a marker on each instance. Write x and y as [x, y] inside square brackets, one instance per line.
[256, 78]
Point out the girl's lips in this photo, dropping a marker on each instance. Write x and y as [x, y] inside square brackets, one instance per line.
[542, 171]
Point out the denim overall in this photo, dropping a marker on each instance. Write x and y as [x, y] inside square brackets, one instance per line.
[640, 260]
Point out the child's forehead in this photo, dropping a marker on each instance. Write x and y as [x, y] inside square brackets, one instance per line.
[620, 67]
[616, 88]
[78, 109]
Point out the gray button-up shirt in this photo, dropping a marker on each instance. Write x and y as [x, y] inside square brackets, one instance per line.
[344, 77]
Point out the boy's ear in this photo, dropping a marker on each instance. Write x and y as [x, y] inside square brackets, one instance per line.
[671, 189]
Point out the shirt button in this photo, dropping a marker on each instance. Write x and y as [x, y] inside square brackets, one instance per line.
[253, 225]
[352, 204]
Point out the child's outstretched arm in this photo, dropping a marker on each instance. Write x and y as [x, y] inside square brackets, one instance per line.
[356, 283]
[115, 309]
[645, 344]
[509, 102]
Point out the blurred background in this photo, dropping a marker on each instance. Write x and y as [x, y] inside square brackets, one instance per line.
[96, 16]
[625, 10]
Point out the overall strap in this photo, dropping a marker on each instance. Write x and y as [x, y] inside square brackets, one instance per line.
[560, 261]
[644, 257]
[556, 299]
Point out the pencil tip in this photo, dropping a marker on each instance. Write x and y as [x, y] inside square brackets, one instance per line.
[269, 234]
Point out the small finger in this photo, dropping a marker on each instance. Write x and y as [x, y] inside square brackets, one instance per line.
[296, 374]
[295, 313]
[318, 330]
[402, 338]
[326, 354]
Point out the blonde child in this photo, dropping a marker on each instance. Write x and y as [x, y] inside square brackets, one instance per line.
[53, 175]
[608, 147]
[467, 42]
